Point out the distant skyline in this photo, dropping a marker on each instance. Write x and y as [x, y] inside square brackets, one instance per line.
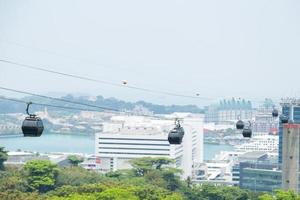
[219, 49]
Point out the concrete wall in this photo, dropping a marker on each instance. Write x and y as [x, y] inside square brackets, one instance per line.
[290, 157]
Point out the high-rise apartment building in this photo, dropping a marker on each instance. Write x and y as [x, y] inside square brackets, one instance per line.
[229, 110]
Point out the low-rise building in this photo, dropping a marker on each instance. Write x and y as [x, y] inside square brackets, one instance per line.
[259, 176]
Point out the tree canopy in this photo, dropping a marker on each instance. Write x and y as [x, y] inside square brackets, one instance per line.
[75, 160]
[3, 157]
[149, 179]
[40, 175]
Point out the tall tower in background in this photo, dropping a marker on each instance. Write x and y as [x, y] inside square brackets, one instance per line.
[293, 112]
[289, 144]
[290, 157]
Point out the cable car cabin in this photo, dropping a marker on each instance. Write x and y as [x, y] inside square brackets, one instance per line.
[176, 135]
[284, 119]
[240, 125]
[275, 113]
[247, 133]
[32, 126]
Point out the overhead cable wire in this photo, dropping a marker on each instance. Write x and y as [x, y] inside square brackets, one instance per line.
[112, 83]
[96, 64]
[59, 99]
[38, 68]
[103, 109]
[48, 105]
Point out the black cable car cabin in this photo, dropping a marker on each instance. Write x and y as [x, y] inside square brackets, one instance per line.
[176, 134]
[32, 126]
[240, 125]
[275, 113]
[247, 132]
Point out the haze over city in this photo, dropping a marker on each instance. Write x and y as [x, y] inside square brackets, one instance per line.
[215, 48]
[149, 100]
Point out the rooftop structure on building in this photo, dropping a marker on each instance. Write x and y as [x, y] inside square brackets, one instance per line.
[217, 171]
[254, 170]
[253, 156]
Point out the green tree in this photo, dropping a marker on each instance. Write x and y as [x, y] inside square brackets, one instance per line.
[3, 157]
[157, 171]
[265, 197]
[12, 179]
[286, 195]
[142, 165]
[174, 196]
[40, 175]
[280, 195]
[75, 160]
[151, 192]
[76, 176]
[18, 195]
[117, 194]
[212, 192]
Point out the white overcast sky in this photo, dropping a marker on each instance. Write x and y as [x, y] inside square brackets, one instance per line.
[217, 48]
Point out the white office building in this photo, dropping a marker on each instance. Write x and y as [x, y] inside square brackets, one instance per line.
[129, 137]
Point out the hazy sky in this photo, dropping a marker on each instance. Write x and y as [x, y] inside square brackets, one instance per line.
[241, 48]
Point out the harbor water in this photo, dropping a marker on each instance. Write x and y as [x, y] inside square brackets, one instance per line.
[51, 142]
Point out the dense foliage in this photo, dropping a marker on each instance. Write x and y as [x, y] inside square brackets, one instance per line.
[75, 160]
[149, 179]
[3, 157]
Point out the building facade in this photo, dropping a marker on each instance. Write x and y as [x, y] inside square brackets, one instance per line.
[135, 137]
[259, 176]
